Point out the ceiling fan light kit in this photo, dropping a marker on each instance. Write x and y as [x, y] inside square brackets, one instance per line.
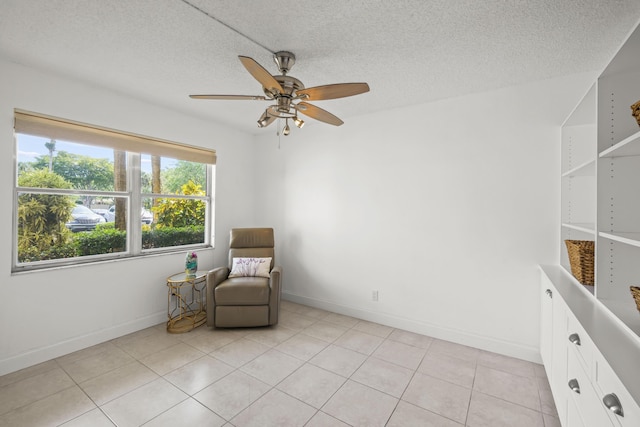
[289, 93]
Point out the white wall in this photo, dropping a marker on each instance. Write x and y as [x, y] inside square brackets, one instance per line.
[49, 313]
[444, 208]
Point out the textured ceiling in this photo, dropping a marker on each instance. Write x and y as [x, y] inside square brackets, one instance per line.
[409, 51]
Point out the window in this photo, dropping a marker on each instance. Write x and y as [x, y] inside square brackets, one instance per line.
[85, 193]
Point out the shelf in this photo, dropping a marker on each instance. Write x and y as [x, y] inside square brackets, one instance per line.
[626, 148]
[632, 239]
[585, 169]
[625, 311]
[584, 227]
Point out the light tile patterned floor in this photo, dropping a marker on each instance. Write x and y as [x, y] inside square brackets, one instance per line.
[314, 369]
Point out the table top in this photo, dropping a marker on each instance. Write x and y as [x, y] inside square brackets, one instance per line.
[182, 277]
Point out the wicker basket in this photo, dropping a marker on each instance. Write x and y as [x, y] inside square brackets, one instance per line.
[635, 291]
[635, 111]
[581, 255]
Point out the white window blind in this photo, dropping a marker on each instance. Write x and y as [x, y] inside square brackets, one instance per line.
[66, 130]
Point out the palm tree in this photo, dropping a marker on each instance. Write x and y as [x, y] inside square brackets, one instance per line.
[120, 184]
[156, 186]
[51, 146]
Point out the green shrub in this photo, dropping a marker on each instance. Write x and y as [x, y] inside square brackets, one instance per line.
[165, 237]
[32, 253]
[105, 239]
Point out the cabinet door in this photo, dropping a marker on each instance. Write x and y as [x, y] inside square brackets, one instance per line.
[559, 378]
[546, 325]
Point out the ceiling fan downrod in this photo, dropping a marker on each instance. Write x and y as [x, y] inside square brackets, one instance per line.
[284, 60]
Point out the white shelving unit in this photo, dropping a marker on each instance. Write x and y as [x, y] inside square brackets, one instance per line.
[579, 163]
[590, 335]
[601, 183]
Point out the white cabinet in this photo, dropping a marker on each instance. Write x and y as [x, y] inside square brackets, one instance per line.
[592, 360]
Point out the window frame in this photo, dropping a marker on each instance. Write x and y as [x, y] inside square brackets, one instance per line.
[133, 195]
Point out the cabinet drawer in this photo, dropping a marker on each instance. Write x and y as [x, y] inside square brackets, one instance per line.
[607, 382]
[584, 396]
[578, 339]
[573, 417]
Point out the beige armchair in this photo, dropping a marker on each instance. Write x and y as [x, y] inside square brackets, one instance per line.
[246, 299]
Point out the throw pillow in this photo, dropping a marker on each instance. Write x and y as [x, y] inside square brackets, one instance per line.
[258, 267]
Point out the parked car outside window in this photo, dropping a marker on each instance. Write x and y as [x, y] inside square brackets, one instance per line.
[83, 219]
[110, 215]
[101, 212]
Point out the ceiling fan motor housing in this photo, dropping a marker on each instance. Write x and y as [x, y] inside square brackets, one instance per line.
[289, 85]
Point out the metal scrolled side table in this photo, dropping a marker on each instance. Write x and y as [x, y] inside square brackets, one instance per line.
[186, 307]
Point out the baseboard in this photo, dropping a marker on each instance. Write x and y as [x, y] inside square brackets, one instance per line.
[506, 348]
[44, 354]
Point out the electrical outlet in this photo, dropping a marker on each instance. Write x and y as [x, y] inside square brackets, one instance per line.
[374, 296]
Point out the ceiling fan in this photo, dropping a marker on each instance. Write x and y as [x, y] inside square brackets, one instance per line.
[289, 93]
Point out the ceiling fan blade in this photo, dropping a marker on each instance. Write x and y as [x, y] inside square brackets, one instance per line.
[230, 97]
[339, 90]
[318, 114]
[260, 74]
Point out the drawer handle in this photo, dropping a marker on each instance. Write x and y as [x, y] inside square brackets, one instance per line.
[574, 386]
[574, 338]
[549, 293]
[612, 403]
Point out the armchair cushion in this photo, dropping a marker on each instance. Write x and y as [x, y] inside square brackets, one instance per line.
[254, 267]
[243, 291]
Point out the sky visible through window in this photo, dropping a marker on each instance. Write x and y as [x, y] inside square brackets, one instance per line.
[30, 147]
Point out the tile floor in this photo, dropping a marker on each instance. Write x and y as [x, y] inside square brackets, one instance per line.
[314, 369]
